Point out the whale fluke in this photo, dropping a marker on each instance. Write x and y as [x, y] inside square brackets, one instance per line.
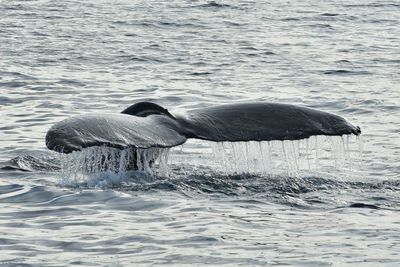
[262, 122]
[145, 125]
[113, 130]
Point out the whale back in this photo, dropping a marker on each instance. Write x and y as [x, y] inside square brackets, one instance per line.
[262, 122]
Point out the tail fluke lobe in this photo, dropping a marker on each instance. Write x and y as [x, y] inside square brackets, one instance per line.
[113, 130]
[262, 122]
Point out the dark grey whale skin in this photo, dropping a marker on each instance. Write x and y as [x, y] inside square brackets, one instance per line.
[262, 122]
[113, 130]
[145, 125]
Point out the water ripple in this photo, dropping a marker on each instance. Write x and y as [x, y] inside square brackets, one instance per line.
[69, 57]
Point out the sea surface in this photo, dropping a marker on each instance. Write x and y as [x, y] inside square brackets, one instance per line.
[62, 58]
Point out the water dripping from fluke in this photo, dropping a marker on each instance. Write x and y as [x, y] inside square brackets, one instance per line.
[103, 166]
[266, 158]
[289, 157]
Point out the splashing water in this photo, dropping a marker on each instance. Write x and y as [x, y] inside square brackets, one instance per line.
[100, 161]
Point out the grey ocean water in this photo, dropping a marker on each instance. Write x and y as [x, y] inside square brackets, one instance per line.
[60, 58]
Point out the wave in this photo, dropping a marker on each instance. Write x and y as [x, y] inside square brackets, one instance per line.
[307, 192]
[215, 4]
[346, 72]
[375, 4]
[32, 163]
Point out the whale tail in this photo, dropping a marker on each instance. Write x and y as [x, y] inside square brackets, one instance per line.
[145, 125]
